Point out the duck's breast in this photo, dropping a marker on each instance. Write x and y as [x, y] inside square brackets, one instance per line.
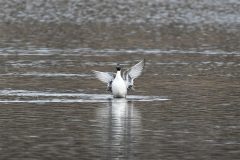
[119, 88]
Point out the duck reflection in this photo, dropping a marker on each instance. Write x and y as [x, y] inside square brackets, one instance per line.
[121, 126]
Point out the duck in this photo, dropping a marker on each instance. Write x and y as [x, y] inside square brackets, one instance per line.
[120, 83]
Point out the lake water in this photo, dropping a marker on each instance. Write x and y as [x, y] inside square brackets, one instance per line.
[186, 103]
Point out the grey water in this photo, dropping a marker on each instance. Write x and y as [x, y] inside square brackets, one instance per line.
[185, 105]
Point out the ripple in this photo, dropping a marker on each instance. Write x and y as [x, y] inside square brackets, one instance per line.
[38, 74]
[26, 96]
[36, 51]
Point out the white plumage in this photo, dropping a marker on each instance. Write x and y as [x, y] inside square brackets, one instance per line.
[119, 84]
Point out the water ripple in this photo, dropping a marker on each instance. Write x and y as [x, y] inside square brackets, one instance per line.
[103, 52]
[37, 74]
[26, 96]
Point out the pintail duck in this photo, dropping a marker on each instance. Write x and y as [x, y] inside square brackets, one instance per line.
[118, 84]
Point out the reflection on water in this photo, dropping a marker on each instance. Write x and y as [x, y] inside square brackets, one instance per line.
[121, 129]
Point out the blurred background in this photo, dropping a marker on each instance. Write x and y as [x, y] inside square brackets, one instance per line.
[164, 24]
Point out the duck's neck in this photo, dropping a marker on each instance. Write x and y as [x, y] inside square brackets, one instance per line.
[118, 74]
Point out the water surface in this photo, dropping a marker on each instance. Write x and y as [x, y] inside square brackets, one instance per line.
[186, 103]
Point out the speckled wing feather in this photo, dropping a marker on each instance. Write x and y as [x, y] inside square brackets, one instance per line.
[105, 77]
[132, 73]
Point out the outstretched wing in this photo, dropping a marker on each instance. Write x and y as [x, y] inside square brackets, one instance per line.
[105, 77]
[133, 72]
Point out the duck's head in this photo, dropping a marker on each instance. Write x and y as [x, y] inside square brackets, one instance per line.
[118, 67]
